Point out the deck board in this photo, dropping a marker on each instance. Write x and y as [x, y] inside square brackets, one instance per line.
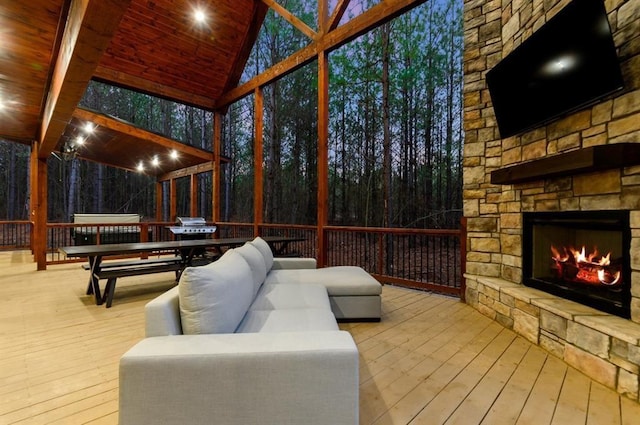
[431, 360]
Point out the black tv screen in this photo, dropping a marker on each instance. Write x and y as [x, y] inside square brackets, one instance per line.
[567, 64]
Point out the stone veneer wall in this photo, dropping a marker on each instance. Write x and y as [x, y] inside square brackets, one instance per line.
[606, 348]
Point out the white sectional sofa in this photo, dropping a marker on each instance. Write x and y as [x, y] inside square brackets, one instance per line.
[250, 340]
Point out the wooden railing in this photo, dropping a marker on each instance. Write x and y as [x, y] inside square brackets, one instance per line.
[430, 259]
[15, 235]
[69, 234]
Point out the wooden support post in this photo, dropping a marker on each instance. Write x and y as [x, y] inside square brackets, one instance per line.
[173, 200]
[216, 178]
[323, 16]
[323, 154]
[193, 201]
[39, 207]
[257, 161]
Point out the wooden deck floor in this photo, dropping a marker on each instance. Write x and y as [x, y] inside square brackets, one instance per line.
[432, 359]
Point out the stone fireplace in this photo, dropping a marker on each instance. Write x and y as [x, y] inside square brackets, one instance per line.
[502, 207]
[581, 256]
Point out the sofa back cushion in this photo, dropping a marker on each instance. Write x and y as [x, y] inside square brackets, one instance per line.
[254, 258]
[214, 298]
[265, 250]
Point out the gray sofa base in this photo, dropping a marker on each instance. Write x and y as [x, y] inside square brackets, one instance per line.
[356, 308]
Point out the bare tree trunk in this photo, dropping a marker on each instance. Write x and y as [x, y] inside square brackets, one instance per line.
[386, 155]
[12, 182]
[73, 184]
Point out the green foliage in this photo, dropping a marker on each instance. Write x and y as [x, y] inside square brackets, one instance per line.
[425, 126]
[423, 132]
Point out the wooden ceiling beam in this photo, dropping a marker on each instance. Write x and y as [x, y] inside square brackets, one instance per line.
[89, 29]
[126, 128]
[142, 85]
[186, 172]
[337, 14]
[361, 24]
[292, 19]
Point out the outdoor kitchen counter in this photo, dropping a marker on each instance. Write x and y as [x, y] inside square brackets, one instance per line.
[184, 248]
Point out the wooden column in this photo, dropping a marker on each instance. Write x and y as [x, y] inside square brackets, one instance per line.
[257, 162]
[38, 205]
[173, 199]
[159, 196]
[323, 154]
[193, 202]
[217, 171]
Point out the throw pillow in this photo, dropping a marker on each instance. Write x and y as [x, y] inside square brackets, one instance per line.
[214, 298]
[265, 250]
[253, 257]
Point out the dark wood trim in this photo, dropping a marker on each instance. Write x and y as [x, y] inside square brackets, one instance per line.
[586, 160]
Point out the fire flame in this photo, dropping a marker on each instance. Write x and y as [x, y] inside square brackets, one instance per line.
[591, 266]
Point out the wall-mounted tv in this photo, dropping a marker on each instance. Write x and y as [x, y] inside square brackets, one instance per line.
[567, 64]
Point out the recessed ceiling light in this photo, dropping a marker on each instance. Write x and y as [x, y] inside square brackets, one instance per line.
[88, 127]
[79, 140]
[174, 154]
[155, 161]
[140, 166]
[199, 16]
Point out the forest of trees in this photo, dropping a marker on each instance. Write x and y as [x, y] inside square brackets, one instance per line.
[395, 133]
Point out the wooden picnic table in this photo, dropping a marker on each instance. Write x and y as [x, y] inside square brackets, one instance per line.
[184, 251]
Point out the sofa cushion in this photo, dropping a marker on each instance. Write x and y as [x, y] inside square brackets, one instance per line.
[288, 320]
[254, 258]
[214, 298]
[339, 280]
[265, 250]
[285, 296]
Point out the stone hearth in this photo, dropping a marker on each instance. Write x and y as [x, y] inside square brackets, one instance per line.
[605, 347]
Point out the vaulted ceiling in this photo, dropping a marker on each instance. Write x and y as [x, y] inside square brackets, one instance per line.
[51, 49]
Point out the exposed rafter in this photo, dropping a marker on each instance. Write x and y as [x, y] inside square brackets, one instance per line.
[292, 19]
[372, 18]
[127, 128]
[337, 14]
[90, 26]
[143, 85]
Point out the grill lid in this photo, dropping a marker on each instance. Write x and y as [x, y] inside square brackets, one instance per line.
[186, 225]
[191, 221]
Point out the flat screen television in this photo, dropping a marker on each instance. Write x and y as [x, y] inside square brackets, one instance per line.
[567, 64]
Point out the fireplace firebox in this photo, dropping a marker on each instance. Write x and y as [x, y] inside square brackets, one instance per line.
[580, 255]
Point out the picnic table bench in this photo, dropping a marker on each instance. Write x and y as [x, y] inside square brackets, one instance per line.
[182, 250]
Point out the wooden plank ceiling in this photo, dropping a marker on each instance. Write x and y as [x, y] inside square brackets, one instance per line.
[156, 47]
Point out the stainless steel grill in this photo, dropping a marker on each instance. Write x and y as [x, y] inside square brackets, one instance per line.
[192, 226]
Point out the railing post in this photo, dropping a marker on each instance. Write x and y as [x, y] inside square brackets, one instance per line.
[381, 253]
[463, 258]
